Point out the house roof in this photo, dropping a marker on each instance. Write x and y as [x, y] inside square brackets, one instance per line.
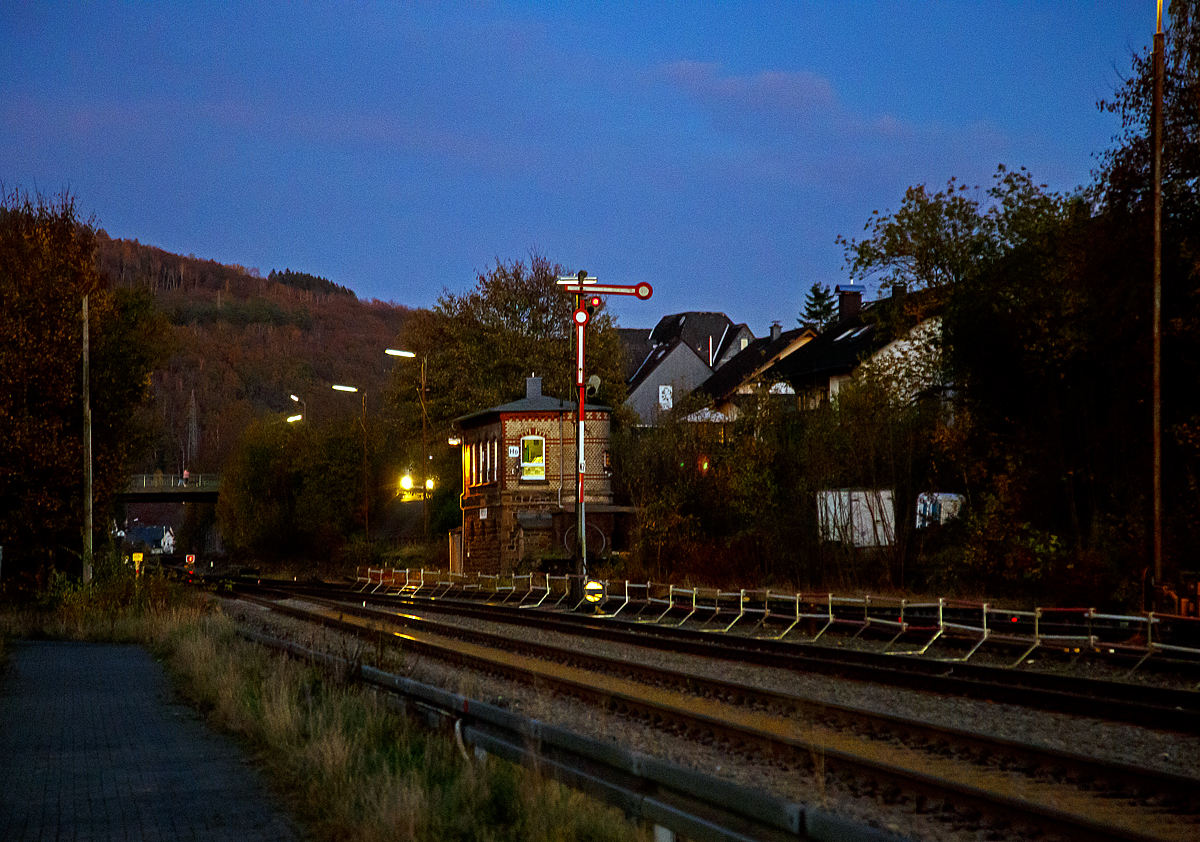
[636, 344]
[655, 358]
[851, 338]
[836, 350]
[697, 329]
[752, 360]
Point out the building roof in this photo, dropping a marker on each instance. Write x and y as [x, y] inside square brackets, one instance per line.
[858, 332]
[698, 330]
[837, 349]
[534, 401]
[655, 358]
[636, 345]
[752, 360]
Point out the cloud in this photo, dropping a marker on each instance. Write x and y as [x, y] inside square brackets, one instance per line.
[792, 93]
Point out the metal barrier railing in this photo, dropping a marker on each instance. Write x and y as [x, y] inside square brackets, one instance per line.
[780, 614]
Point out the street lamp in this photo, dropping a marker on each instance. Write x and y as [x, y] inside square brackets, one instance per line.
[424, 422]
[303, 408]
[337, 387]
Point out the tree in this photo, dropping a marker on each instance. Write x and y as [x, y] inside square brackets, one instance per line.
[937, 240]
[819, 306]
[47, 265]
[931, 241]
[477, 348]
[295, 491]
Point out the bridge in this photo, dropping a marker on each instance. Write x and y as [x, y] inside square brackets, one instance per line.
[171, 488]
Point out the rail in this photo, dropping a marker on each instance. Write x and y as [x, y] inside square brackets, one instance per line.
[684, 801]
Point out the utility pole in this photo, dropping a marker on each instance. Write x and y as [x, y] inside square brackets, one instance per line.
[366, 482]
[582, 285]
[424, 473]
[337, 387]
[1157, 318]
[424, 458]
[87, 451]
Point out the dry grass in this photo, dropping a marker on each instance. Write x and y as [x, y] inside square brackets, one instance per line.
[351, 767]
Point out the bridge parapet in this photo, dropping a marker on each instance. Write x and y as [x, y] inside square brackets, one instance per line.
[159, 483]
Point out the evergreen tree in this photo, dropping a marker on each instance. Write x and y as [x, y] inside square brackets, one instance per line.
[819, 306]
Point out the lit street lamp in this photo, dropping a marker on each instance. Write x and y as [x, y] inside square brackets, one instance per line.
[337, 387]
[303, 408]
[424, 420]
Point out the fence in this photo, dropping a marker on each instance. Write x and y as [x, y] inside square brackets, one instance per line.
[777, 616]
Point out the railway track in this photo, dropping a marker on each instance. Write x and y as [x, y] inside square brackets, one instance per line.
[1026, 788]
[1151, 706]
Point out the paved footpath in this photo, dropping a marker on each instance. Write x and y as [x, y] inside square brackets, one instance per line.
[92, 747]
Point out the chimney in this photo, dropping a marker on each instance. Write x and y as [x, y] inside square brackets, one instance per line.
[849, 300]
[533, 388]
[776, 330]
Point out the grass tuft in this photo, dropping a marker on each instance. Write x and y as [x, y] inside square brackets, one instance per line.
[350, 767]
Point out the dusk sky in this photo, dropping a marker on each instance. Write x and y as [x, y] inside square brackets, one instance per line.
[715, 150]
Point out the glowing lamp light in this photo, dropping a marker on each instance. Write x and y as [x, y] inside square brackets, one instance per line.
[593, 591]
[393, 352]
[429, 484]
[454, 441]
[294, 418]
[339, 388]
[406, 482]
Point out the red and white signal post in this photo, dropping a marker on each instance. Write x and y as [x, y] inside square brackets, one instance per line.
[587, 297]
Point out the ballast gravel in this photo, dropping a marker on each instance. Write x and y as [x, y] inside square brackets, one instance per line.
[1126, 744]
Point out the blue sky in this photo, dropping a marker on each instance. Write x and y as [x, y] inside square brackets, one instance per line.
[715, 150]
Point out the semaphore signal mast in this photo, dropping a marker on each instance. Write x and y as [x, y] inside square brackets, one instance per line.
[587, 294]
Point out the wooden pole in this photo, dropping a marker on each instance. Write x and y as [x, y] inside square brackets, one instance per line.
[1157, 317]
[87, 451]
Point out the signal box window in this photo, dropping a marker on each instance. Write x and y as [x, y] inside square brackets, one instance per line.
[533, 459]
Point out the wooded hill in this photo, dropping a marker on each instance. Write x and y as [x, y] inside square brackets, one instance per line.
[242, 343]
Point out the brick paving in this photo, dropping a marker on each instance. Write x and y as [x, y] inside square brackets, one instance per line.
[92, 747]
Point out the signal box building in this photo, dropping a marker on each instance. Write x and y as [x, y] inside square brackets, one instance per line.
[519, 484]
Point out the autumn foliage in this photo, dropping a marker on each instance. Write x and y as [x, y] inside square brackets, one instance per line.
[46, 268]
